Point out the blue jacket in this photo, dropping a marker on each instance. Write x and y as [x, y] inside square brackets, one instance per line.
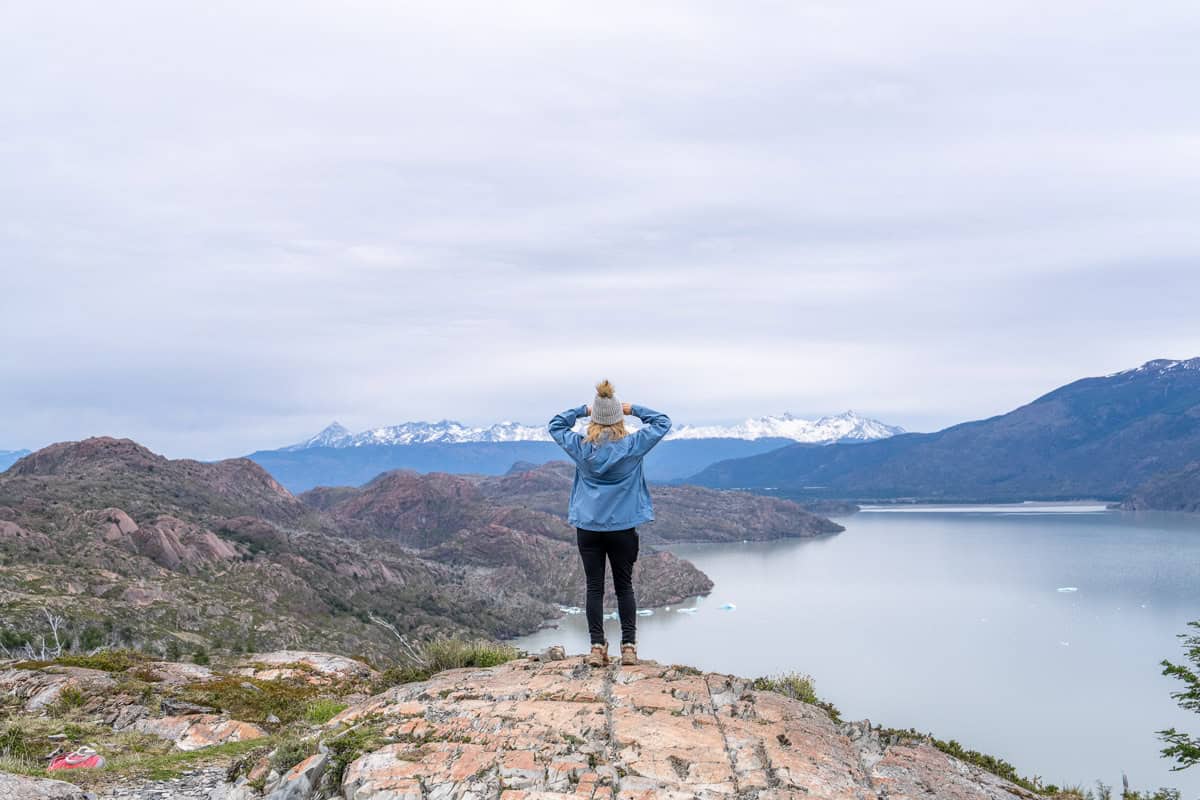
[609, 493]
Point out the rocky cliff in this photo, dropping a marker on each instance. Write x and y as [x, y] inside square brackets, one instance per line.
[535, 728]
[556, 730]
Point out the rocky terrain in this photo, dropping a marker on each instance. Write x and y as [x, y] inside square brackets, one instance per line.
[104, 543]
[682, 513]
[533, 728]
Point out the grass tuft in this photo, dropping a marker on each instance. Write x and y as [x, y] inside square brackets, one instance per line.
[323, 709]
[446, 652]
[796, 686]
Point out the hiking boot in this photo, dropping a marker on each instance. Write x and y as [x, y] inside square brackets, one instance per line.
[598, 657]
[629, 654]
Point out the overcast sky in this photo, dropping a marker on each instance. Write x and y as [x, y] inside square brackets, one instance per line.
[223, 225]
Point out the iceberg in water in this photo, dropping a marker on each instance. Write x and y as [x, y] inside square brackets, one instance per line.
[645, 612]
[728, 607]
[1068, 588]
[570, 609]
[686, 610]
[611, 615]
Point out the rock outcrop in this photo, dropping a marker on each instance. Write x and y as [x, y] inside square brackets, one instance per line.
[37, 688]
[552, 730]
[314, 667]
[194, 731]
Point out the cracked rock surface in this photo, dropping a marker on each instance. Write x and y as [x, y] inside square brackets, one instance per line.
[553, 730]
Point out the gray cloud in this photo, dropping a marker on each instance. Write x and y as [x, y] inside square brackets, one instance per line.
[223, 226]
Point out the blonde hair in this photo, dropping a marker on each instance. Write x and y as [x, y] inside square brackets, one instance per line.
[611, 433]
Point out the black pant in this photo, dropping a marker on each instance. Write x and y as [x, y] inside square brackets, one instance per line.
[621, 548]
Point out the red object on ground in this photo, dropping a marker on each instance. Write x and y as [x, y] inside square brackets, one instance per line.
[83, 758]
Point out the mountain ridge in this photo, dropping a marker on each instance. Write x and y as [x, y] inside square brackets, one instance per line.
[847, 426]
[1096, 437]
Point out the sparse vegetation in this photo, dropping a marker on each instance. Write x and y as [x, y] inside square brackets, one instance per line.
[106, 661]
[351, 743]
[797, 686]
[1105, 792]
[253, 700]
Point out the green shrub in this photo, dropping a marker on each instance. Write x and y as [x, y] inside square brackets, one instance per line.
[291, 752]
[14, 639]
[91, 638]
[201, 657]
[70, 697]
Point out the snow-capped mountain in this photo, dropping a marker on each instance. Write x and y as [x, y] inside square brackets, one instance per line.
[840, 428]
[846, 427]
[443, 432]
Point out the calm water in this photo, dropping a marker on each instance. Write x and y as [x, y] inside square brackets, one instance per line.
[952, 621]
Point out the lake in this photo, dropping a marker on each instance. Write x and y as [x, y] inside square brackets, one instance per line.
[1031, 632]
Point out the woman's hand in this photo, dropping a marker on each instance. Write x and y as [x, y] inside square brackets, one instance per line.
[626, 408]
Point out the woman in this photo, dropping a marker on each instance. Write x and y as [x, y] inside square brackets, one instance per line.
[608, 500]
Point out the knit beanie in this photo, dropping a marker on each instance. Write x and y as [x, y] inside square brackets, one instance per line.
[606, 409]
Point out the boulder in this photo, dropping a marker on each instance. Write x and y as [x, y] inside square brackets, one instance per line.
[194, 731]
[112, 524]
[19, 787]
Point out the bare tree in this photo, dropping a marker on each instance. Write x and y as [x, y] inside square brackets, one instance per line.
[409, 649]
[55, 623]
